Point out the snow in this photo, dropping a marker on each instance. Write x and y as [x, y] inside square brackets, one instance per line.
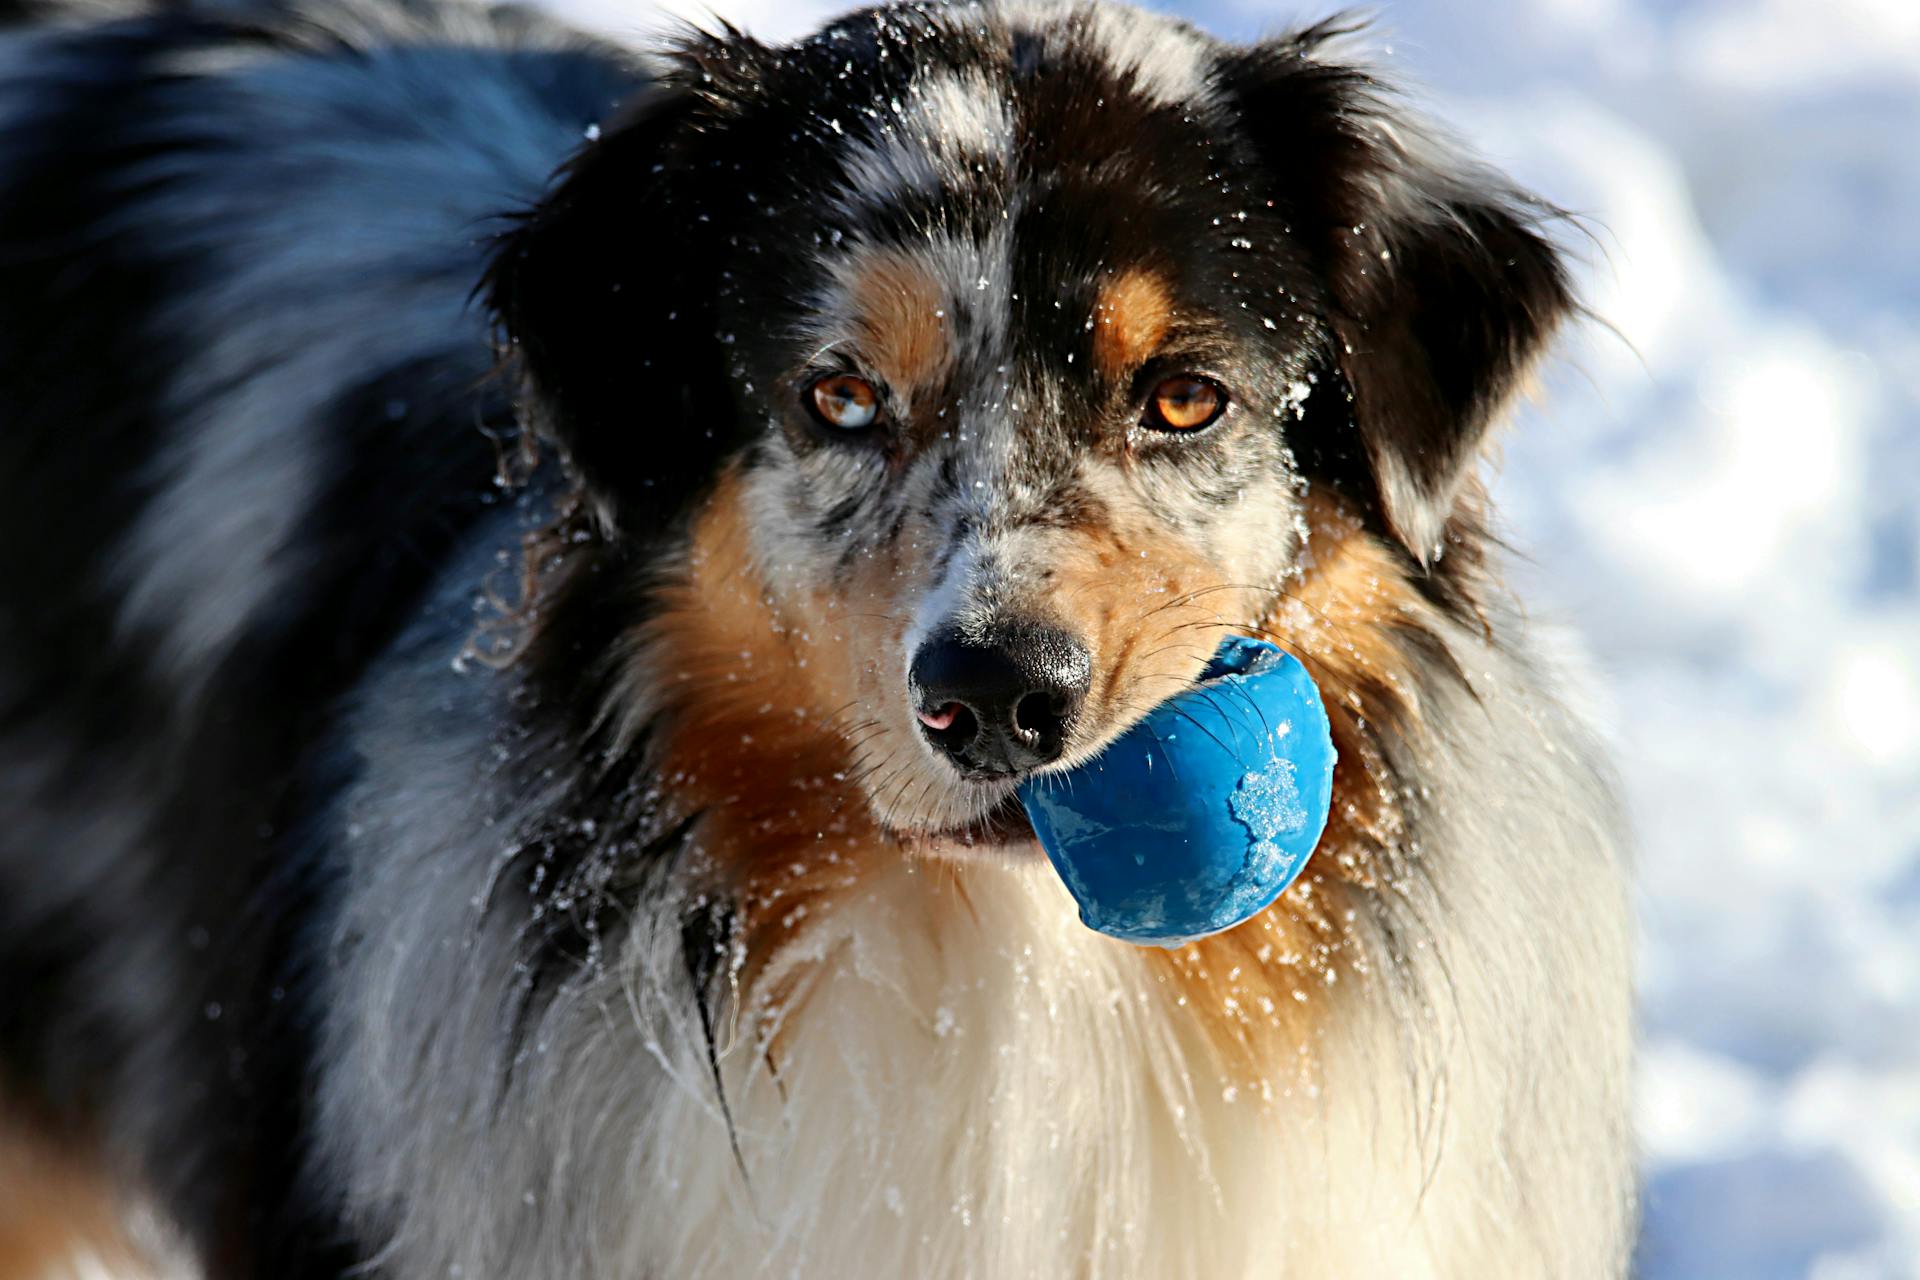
[1269, 805]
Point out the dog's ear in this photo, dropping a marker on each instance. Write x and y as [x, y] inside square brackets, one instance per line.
[604, 292]
[1441, 288]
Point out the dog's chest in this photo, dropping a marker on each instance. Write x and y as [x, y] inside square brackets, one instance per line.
[965, 1082]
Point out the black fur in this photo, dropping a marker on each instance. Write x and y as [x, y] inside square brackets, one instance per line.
[151, 898]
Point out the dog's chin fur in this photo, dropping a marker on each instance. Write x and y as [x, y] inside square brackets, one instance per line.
[1000, 833]
[438, 852]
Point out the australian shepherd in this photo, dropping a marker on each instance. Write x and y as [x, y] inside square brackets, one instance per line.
[476, 496]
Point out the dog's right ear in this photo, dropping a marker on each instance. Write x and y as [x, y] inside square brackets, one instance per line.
[604, 294]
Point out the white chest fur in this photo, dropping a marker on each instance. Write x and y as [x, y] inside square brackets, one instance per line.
[968, 1083]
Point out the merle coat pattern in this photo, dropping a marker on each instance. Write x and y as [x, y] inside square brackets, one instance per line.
[464, 807]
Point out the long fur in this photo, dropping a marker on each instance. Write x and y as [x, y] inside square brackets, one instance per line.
[462, 811]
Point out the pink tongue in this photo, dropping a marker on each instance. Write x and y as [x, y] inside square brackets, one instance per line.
[942, 718]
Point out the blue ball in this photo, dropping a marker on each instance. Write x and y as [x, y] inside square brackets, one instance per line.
[1201, 815]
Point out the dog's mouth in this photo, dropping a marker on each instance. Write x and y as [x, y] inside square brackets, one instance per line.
[1003, 830]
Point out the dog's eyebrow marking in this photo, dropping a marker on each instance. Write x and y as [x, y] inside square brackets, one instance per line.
[902, 320]
[1130, 320]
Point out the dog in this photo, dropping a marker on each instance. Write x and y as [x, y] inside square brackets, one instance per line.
[488, 512]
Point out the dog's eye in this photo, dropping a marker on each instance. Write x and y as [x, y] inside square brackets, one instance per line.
[844, 402]
[1185, 404]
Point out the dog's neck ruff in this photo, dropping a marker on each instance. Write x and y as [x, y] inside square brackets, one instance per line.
[893, 1066]
[959, 1079]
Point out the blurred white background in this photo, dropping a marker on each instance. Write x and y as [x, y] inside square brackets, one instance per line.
[1720, 500]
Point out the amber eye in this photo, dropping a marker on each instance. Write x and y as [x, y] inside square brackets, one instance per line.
[1185, 404]
[844, 402]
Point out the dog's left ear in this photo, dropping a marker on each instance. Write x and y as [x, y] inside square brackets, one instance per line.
[606, 290]
[1442, 288]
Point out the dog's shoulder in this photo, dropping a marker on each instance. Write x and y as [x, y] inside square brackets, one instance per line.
[247, 398]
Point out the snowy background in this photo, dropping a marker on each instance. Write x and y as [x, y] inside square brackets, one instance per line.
[1720, 499]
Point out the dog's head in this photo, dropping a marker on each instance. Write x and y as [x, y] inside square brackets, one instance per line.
[1021, 335]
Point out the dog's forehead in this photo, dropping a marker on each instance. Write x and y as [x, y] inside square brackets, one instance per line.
[933, 118]
[973, 176]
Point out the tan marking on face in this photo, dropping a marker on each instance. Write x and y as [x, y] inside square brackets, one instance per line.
[1146, 618]
[1131, 318]
[900, 314]
[1150, 605]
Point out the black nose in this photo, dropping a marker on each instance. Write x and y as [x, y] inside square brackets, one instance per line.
[1002, 702]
